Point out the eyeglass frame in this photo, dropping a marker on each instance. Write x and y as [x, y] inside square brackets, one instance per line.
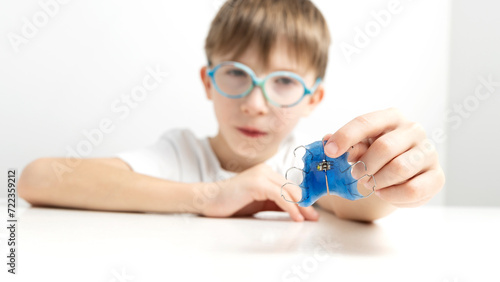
[261, 81]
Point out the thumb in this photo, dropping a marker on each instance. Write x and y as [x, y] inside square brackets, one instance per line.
[355, 151]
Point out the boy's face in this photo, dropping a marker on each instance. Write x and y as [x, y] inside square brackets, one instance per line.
[250, 127]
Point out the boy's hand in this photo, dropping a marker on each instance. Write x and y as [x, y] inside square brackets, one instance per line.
[396, 151]
[255, 189]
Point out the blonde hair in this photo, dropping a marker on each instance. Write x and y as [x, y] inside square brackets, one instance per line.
[242, 23]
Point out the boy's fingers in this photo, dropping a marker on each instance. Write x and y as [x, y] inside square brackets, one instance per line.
[326, 137]
[360, 128]
[417, 189]
[291, 192]
[309, 213]
[275, 195]
[292, 209]
[277, 178]
[356, 151]
[294, 195]
[389, 146]
[271, 206]
[404, 167]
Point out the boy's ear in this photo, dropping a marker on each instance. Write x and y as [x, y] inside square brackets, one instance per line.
[316, 98]
[207, 84]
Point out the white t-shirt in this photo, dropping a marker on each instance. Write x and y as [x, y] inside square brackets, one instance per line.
[180, 156]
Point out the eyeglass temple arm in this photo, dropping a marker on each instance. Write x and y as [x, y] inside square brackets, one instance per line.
[209, 68]
[316, 84]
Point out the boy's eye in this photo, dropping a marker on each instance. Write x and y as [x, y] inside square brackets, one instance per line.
[236, 72]
[285, 81]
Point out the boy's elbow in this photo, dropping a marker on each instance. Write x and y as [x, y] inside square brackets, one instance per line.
[34, 181]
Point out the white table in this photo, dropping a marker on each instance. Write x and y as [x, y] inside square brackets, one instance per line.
[423, 244]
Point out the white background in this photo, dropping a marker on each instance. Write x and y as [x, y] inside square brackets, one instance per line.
[89, 53]
[474, 158]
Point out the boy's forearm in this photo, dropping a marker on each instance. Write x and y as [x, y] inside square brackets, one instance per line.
[99, 186]
[368, 209]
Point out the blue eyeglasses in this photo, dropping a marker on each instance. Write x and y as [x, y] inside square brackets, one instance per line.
[282, 88]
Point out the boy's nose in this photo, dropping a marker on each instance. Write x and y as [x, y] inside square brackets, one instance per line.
[255, 103]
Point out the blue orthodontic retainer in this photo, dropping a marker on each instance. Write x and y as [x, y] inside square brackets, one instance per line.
[323, 175]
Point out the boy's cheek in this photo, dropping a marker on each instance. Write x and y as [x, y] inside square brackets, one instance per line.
[306, 113]
[307, 108]
[300, 111]
[222, 105]
[280, 127]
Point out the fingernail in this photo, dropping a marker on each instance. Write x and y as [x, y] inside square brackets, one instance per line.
[331, 148]
[300, 217]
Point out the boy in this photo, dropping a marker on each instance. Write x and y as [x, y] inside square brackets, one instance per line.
[284, 45]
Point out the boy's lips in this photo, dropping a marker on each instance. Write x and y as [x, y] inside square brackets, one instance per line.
[251, 132]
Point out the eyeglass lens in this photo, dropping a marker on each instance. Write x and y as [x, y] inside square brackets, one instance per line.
[281, 89]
